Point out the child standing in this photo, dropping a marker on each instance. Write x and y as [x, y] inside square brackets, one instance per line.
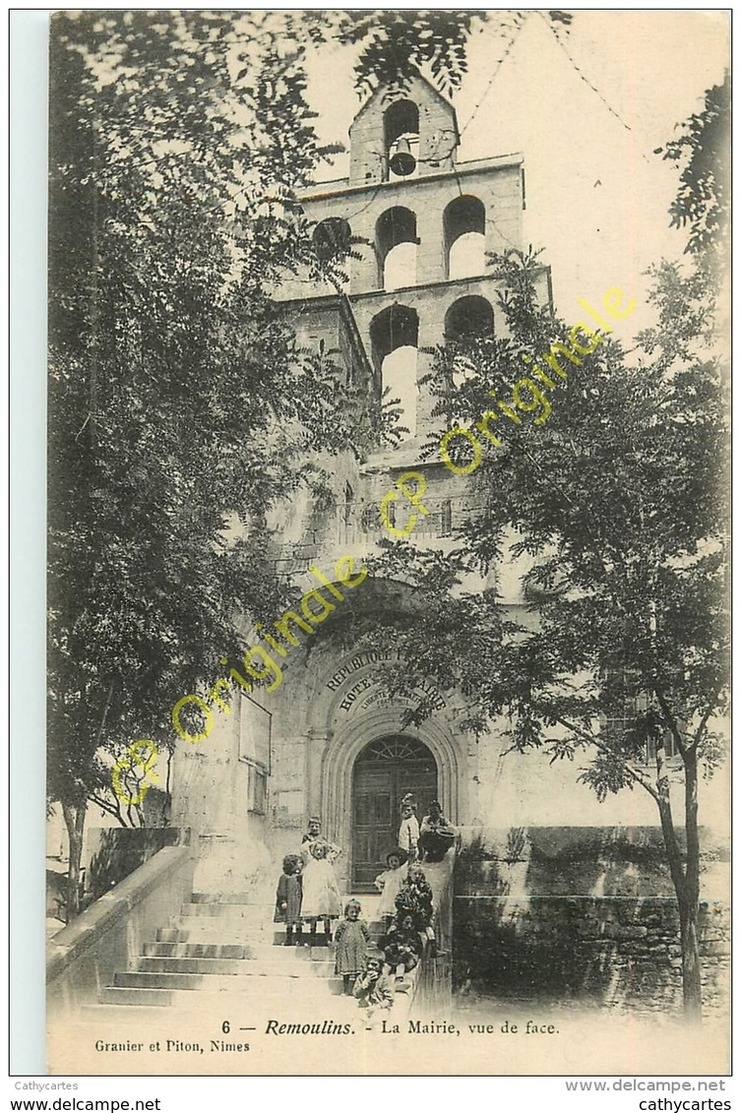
[288, 897]
[409, 829]
[321, 898]
[352, 937]
[390, 882]
[416, 895]
[415, 898]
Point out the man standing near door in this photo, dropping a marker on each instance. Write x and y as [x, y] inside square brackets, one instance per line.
[409, 829]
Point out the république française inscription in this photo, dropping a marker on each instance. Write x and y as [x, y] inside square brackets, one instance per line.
[367, 683]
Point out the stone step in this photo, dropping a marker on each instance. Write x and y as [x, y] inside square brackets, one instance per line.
[313, 1002]
[211, 944]
[303, 953]
[255, 968]
[254, 912]
[196, 929]
[198, 950]
[282, 981]
[217, 925]
[248, 899]
[136, 1011]
[189, 965]
[318, 940]
[237, 929]
[123, 995]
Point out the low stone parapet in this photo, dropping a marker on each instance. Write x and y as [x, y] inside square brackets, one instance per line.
[83, 957]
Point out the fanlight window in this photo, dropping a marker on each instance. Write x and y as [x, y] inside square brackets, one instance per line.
[395, 749]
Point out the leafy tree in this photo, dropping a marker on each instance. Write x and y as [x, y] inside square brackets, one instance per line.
[702, 149]
[181, 410]
[618, 500]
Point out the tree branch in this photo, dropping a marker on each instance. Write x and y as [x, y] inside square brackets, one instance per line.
[704, 720]
[593, 741]
[100, 802]
[670, 718]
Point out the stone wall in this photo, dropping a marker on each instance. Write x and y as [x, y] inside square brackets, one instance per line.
[582, 916]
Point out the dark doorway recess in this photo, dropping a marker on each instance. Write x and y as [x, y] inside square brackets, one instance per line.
[384, 772]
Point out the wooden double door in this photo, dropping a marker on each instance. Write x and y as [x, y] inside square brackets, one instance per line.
[385, 771]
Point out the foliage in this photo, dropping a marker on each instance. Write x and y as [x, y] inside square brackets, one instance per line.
[178, 142]
[393, 44]
[703, 150]
[617, 503]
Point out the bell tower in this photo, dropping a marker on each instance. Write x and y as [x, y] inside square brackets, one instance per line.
[422, 225]
[402, 134]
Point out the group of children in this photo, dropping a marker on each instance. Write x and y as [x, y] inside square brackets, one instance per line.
[307, 892]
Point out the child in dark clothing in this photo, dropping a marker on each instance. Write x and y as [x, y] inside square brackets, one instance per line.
[288, 897]
[422, 892]
[402, 945]
[415, 896]
[415, 899]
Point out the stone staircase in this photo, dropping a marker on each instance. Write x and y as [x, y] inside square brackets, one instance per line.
[221, 943]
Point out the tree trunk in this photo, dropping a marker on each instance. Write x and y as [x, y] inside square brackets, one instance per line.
[685, 876]
[74, 818]
[689, 901]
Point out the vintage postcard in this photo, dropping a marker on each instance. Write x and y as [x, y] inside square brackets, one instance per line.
[388, 449]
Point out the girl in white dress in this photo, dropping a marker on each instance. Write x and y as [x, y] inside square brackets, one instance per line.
[321, 899]
[390, 882]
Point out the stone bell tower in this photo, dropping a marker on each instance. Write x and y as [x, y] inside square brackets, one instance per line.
[426, 223]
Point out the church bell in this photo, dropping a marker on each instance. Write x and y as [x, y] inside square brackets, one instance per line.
[402, 161]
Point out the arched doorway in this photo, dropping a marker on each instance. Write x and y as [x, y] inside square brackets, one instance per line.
[384, 771]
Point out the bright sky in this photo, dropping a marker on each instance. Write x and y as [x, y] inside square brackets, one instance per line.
[597, 197]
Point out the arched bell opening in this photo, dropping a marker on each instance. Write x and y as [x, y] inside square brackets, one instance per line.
[331, 238]
[384, 772]
[396, 248]
[394, 339]
[464, 225]
[401, 136]
[469, 318]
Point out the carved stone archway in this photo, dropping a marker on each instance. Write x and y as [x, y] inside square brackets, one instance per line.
[342, 749]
